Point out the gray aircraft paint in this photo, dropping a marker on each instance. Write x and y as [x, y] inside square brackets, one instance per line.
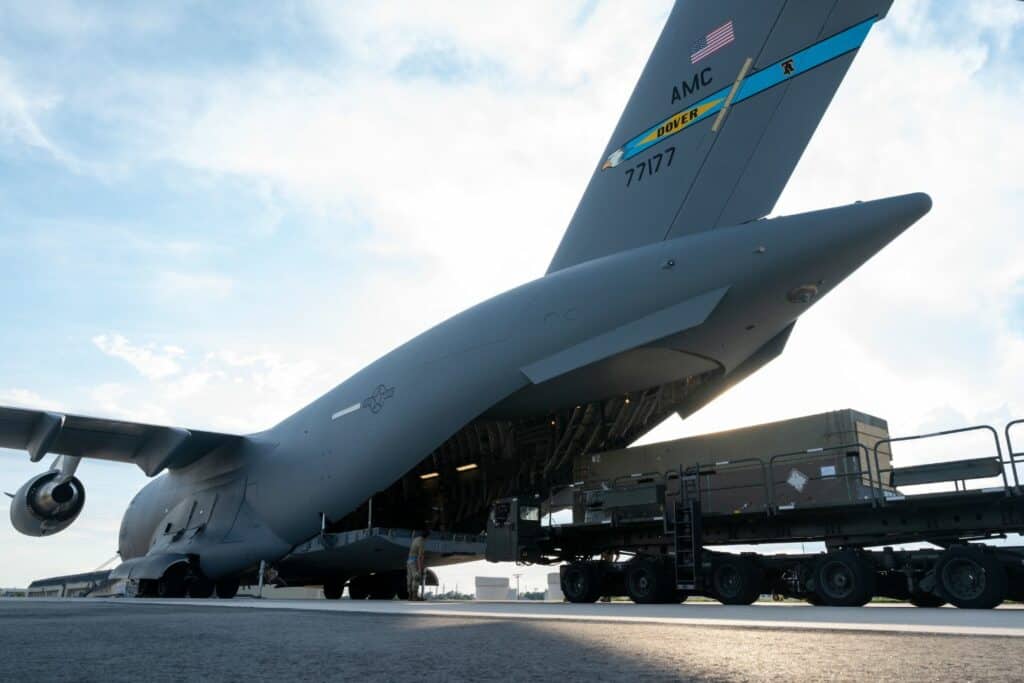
[640, 282]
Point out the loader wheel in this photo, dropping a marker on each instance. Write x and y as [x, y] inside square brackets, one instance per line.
[580, 583]
[970, 578]
[925, 600]
[735, 580]
[646, 584]
[844, 579]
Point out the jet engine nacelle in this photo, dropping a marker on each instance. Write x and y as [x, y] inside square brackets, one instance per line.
[47, 503]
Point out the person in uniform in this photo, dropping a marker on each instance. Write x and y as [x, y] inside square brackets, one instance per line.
[415, 565]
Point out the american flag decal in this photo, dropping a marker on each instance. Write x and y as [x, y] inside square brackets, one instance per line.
[712, 42]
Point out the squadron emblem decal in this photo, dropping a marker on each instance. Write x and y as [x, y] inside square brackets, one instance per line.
[753, 84]
[375, 402]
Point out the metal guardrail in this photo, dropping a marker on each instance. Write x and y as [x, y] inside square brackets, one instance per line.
[949, 432]
[1012, 454]
[869, 472]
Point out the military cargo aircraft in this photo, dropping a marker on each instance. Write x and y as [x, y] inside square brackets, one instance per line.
[669, 287]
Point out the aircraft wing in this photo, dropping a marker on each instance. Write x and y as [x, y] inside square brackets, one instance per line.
[152, 447]
[723, 110]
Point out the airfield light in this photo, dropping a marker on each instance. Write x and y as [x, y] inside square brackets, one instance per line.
[466, 468]
[429, 475]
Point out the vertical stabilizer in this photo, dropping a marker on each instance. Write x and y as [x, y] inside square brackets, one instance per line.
[724, 108]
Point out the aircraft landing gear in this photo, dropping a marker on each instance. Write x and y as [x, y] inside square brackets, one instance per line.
[333, 589]
[200, 587]
[227, 588]
[173, 583]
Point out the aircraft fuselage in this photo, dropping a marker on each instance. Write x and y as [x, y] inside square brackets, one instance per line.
[717, 295]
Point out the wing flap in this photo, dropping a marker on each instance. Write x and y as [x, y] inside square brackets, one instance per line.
[152, 448]
[658, 325]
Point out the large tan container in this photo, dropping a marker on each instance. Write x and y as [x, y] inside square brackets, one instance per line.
[741, 461]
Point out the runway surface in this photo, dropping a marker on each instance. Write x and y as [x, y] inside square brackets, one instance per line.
[96, 640]
[886, 617]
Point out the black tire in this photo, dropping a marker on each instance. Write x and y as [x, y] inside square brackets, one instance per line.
[172, 583]
[146, 589]
[970, 578]
[646, 583]
[1015, 585]
[333, 589]
[580, 583]
[227, 588]
[925, 600]
[382, 587]
[200, 587]
[735, 580]
[359, 588]
[844, 579]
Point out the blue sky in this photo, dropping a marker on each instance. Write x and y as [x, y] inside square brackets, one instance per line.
[209, 214]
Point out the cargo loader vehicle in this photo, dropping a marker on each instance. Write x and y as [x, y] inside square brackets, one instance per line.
[662, 522]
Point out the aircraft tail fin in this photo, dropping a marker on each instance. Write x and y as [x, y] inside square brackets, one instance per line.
[722, 112]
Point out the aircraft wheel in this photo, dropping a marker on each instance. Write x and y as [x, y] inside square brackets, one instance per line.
[227, 588]
[333, 589]
[383, 586]
[925, 600]
[172, 583]
[359, 588]
[844, 579]
[580, 583]
[970, 578]
[735, 580]
[645, 583]
[200, 587]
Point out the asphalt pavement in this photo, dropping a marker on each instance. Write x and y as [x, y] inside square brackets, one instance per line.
[110, 640]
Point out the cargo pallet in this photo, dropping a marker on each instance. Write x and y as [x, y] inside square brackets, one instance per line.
[649, 533]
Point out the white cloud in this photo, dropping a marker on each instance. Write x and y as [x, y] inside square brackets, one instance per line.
[18, 114]
[150, 361]
[233, 390]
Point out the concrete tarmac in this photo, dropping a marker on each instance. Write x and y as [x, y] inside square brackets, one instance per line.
[884, 617]
[114, 640]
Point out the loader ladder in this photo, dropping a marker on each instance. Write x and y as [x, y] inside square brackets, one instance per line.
[687, 532]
